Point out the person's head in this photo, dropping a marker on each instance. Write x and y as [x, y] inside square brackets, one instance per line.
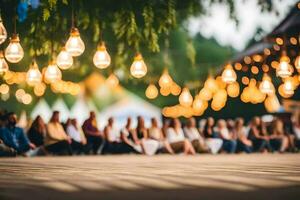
[166, 123]
[222, 124]
[154, 122]
[111, 121]
[92, 115]
[68, 122]
[256, 121]
[230, 123]
[128, 123]
[55, 117]
[191, 122]
[175, 123]
[239, 123]
[210, 122]
[11, 119]
[141, 122]
[38, 122]
[74, 122]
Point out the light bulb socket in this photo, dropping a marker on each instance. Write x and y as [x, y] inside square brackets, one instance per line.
[15, 38]
[101, 46]
[74, 32]
[138, 56]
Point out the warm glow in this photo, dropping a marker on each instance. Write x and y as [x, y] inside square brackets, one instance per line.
[39, 89]
[3, 32]
[229, 75]
[33, 76]
[52, 73]
[165, 80]
[14, 51]
[199, 106]
[175, 89]
[75, 45]
[266, 86]
[26, 99]
[19, 94]
[112, 80]
[101, 58]
[185, 98]
[165, 91]
[151, 92]
[233, 89]
[297, 63]
[3, 63]
[272, 103]
[211, 84]
[284, 69]
[64, 59]
[138, 68]
[205, 94]
[288, 86]
[4, 88]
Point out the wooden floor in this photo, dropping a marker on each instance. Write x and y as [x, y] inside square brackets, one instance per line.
[256, 176]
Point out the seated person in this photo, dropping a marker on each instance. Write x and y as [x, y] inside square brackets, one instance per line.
[92, 133]
[155, 133]
[243, 143]
[258, 136]
[14, 137]
[194, 136]
[37, 132]
[57, 141]
[178, 142]
[212, 140]
[278, 139]
[76, 135]
[229, 143]
[128, 137]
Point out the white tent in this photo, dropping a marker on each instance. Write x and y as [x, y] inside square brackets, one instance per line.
[60, 106]
[42, 109]
[80, 110]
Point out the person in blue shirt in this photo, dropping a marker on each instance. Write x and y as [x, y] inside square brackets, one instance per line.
[14, 137]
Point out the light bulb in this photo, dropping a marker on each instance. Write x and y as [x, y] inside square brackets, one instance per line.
[64, 59]
[297, 63]
[3, 63]
[288, 87]
[165, 80]
[33, 76]
[52, 73]
[272, 104]
[229, 75]
[151, 92]
[233, 89]
[101, 58]
[3, 32]
[211, 84]
[199, 105]
[112, 80]
[75, 45]
[266, 86]
[284, 68]
[14, 51]
[138, 68]
[185, 98]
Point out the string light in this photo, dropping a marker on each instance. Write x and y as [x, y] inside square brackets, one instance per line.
[138, 68]
[151, 91]
[284, 69]
[211, 84]
[185, 98]
[266, 86]
[75, 46]
[64, 59]
[14, 51]
[233, 89]
[3, 63]
[165, 80]
[229, 75]
[33, 76]
[3, 32]
[101, 58]
[297, 63]
[52, 73]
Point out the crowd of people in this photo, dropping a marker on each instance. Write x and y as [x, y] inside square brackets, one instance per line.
[224, 136]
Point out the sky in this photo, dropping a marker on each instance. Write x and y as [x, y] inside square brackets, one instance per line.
[219, 26]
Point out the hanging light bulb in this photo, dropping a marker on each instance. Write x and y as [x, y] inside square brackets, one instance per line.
[266, 86]
[14, 51]
[288, 86]
[165, 80]
[284, 68]
[3, 33]
[138, 68]
[151, 92]
[112, 80]
[33, 76]
[185, 98]
[272, 103]
[211, 84]
[52, 73]
[199, 105]
[3, 63]
[233, 89]
[75, 45]
[101, 58]
[297, 63]
[229, 75]
[64, 59]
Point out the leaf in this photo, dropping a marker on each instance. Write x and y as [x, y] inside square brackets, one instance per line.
[46, 14]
